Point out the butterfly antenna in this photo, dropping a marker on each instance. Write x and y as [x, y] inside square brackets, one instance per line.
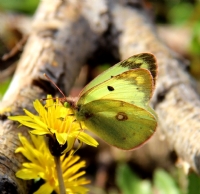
[54, 84]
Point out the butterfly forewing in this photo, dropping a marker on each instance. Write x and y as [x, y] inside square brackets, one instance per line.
[118, 123]
[143, 60]
[134, 86]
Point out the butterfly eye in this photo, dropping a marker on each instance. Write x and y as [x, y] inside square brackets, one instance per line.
[66, 104]
[110, 88]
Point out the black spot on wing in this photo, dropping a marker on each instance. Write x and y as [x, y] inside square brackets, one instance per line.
[88, 115]
[110, 88]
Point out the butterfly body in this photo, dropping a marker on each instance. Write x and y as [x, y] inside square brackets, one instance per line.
[115, 105]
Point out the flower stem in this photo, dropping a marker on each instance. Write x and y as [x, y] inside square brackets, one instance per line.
[59, 174]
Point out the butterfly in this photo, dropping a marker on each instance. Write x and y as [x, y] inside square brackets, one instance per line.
[115, 105]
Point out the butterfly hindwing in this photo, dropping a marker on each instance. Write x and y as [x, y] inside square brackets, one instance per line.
[143, 60]
[118, 123]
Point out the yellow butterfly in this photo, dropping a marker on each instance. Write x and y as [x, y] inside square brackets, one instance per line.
[115, 105]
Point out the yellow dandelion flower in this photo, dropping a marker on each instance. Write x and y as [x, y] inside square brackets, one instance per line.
[57, 121]
[42, 166]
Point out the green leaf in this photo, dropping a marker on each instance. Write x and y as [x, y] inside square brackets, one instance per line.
[164, 183]
[129, 183]
[27, 6]
[193, 184]
[180, 13]
[3, 87]
[195, 41]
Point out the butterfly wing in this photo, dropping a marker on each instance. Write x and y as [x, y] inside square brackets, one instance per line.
[118, 123]
[143, 60]
[133, 86]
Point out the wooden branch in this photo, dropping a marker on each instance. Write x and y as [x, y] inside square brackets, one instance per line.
[64, 35]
